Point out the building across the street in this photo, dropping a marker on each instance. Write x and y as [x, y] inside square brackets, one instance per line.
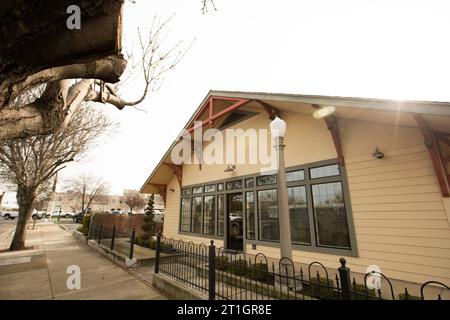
[369, 182]
[70, 201]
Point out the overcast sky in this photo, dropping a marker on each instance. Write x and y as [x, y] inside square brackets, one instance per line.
[362, 48]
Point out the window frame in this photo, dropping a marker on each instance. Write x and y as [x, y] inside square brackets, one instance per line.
[214, 197]
[307, 183]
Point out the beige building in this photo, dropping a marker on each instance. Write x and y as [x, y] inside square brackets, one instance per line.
[345, 198]
[71, 202]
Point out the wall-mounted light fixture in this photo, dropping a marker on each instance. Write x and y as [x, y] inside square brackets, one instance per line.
[172, 190]
[230, 168]
[378, 154]
[323, 112]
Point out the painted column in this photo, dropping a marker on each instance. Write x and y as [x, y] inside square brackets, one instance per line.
[283, 206]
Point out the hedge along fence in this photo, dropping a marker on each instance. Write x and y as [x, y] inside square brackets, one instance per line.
[123, 223]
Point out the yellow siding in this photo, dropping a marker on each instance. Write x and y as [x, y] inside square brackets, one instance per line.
[400, 220]
[172, 216]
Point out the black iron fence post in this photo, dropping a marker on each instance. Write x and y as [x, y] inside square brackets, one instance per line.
[100, 234]
[158, 250]
[344, 275]
[91, 226]
[113, 238]
[133, 236]
[212, 271]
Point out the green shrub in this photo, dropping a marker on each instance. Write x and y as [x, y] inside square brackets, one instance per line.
[361, 293]
[260, 272]
[147, 225]
[84, 228]
[166, 248]
[238, 267]
[146, 242]
[221, 263]
[319, 288]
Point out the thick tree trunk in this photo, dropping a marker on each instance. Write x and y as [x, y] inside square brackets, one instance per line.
[47, 114]
[25, 200]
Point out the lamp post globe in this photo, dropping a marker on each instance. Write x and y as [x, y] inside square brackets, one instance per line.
[278, 128]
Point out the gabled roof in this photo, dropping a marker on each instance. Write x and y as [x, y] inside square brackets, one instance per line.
[345, 107]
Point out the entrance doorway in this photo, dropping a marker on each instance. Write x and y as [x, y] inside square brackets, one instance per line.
[235, 218]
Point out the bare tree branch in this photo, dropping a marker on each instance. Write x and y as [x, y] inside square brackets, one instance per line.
[134, 200]
[52, 110]
[87, 188]
[205, 5]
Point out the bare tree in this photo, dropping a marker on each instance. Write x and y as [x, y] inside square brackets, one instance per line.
[30, 163]
[134, 200]
[53, 109]
[205, 5]
[87, 188]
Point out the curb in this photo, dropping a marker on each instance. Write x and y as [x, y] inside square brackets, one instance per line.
[63, 227]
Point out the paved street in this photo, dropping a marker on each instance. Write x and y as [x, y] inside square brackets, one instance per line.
[40, 273]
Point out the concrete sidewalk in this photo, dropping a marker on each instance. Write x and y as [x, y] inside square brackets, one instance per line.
[41, 273]
[7, 228]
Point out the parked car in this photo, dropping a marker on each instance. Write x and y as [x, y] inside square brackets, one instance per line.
[37, 214]
[118, 212]
[236, 224]
[9, 214]
[78, 217]
[68, 214]
[158, 216]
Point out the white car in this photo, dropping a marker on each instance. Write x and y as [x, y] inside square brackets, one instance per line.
[9, 214]
[118, 212]
[158, 216]
[68, 214]
[65, 214]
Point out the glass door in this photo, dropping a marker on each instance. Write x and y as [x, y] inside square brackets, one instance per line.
[235, 221]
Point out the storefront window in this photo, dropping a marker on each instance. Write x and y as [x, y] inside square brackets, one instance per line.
[185, 214]
[316, 202]
[236, 184]
[297, 175]
[196, 218]
[197, 190]
[266, 180]
[250, 182]
[220, 214]
[324, 171]
[210, 188]
[209, 216]
[330, 216]
[250, 214]
[268, 215]
[186, 191]
[298, 213]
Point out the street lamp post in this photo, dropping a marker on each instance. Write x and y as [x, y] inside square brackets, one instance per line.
[278, 129]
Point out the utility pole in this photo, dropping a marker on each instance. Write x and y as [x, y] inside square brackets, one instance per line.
[51, 203]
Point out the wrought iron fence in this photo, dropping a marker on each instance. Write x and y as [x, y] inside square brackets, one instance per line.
[115, 240]
[232, 275]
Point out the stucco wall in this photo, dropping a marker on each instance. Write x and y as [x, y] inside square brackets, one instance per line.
[400, 221]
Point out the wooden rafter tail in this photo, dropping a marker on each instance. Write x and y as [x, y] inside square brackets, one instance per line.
[333, 127]
[445, 159]
[270, 110]
[162, 190]
[445, 138]
[431, 143]
[177, 170]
